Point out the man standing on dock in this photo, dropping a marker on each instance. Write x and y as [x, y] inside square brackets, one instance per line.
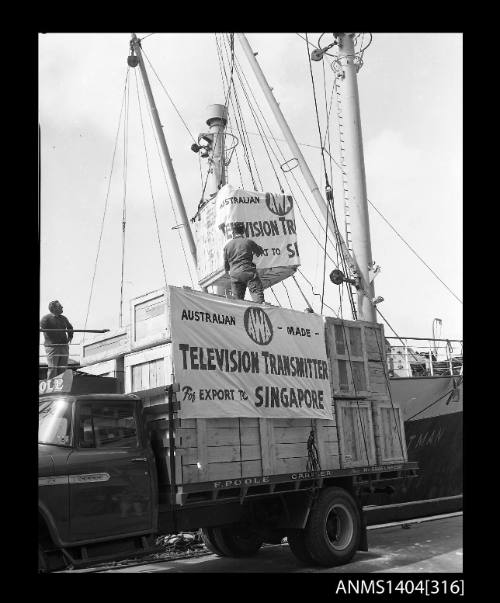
[238, 262]
[56, 341]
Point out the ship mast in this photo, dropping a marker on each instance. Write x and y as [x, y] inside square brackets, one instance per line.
[354, 166]
[135, 45]
[361, 263]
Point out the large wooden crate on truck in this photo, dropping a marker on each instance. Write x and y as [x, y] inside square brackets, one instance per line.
[245, 450]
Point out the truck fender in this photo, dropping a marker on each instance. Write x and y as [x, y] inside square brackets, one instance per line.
[297, 507]
[45, 516]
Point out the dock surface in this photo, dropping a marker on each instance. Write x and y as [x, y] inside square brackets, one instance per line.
[430, 546]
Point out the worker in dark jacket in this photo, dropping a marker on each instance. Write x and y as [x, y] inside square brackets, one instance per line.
[238, 262]
[56, 342]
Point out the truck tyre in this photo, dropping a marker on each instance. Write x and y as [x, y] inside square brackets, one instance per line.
[334, 528]
[237, 540]
[208, 538]
[296, 542]
[42, 561]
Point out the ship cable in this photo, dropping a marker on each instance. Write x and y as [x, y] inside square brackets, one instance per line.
[150, 182]
[314, 293]
[173, 104]
[451, 393]
[270, 136]
[124, 204]
[275, 296]
[155, 137]
[289, 300]
[236, 110]
[263, 137]
[105, 205]
[413, 251]
[247, 149]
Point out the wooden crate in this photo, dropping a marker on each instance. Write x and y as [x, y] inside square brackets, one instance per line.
[225, 449]
[105, 346]
[149, 368]
[149, 320]
[222, 449]
[390, 441]
[355, 432]
[108, 368]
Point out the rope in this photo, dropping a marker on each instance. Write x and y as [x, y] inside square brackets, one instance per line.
[105, 205]
[233, 62]
[310, 43]
[168, 95]
[451, 391]
[238, 68]
[324, 262]
[314, 293]
[275, 296]
[150, 182]
[387, 323]
[289, 300]
[124, 205]
[236, 112]
[413, 250]
[313, 463]
[173, 105]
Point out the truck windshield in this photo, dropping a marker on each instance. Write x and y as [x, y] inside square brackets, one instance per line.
[54, 422]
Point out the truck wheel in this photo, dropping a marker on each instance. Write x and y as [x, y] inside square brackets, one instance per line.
[237, 541]
[334, 528]
[296, 542]
[208, 538]
[42, 561]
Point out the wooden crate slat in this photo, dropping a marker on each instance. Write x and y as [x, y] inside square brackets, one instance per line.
[222, 454]
[374, 343]
[267, 445]
[223, 471]
[327, 434]
[219, 437]
[202, 445]
[292, 422]
[357, 445]
[389, 436]
[378, 380]
[291, 450]
[290, 435]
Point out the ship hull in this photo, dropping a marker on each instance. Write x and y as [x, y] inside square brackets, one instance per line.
[432, 410]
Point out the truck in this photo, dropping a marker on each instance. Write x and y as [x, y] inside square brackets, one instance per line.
[273, 423]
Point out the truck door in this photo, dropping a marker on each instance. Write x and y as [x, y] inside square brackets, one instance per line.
[110, 472]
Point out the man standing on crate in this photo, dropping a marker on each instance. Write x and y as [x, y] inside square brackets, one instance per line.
[56, 341]
[238, 262]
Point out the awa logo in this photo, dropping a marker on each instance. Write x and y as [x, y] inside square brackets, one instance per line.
[258, 325]
[279, 205]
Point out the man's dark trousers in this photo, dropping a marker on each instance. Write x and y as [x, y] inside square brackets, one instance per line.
[241, 280]
[57, 359]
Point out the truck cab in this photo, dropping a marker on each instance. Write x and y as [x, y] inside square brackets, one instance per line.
[97, 476]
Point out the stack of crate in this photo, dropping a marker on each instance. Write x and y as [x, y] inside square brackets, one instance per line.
[370, 425]
[104, 355]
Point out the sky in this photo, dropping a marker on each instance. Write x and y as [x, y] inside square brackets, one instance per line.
[410, 91]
